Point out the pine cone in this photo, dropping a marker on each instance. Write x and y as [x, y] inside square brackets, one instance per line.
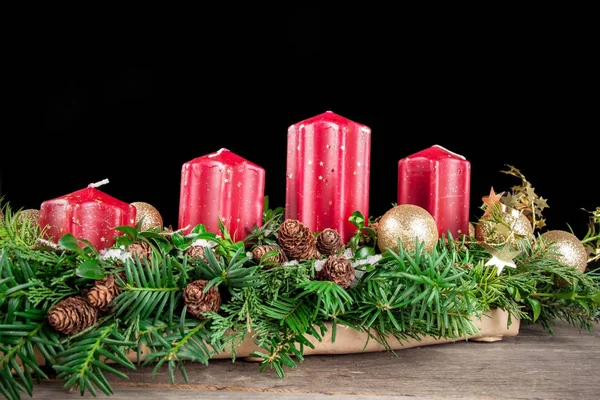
[142, 249]
[194, 252]
[103, 292]
[337, 269]
[198, 302]
[297, 240]
[275, 260]
[72, 315]
[329, 242]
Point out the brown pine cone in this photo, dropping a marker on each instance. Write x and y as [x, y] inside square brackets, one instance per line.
[194, 252]
[103, 292]
[273, 261]
[72, 315]
[296, 240]
[337, 269]
[198, 302]
[329, 242]
[142, 249]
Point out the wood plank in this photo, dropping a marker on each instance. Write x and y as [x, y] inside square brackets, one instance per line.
[531, 365]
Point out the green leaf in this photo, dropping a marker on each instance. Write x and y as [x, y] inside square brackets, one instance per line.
[178, 240]
[536, 308]
[365, 252]
[90, 269]
[128, 230]
[357, 219]
[69, 242]
[200, 228]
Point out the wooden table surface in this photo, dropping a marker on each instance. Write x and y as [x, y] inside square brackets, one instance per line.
[531, 365]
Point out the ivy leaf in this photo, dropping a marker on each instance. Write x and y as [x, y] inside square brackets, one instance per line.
[90, 269]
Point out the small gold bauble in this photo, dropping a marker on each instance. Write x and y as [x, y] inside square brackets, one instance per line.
[569, 248]
[407, 223]
[509, 229]
[31, 216]
[151, 216]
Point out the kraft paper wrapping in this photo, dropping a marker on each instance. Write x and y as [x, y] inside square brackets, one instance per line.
[492, 327]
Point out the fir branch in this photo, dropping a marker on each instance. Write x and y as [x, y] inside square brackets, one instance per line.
[232, 273]
[410, 295]
[285, 279]
[296, 314]
[45, 296]
[151, 287]
[86, 360]
[279, 347]
[328, 298]
[22, 335]
[178, 341]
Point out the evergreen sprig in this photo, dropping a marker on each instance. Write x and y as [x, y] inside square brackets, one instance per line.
[396, 296]
[175, 342]
[24, 335]
[85, 362]
[150, 288]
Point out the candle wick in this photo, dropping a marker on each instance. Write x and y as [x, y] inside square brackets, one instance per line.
[448, 151]
[217, 153]
[100, 183]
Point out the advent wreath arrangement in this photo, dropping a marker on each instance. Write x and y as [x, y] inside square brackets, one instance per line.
[170, 298]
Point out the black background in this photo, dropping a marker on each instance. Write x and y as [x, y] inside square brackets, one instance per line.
[134, 107]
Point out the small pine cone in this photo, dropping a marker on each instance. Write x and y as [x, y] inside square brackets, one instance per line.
[311, 253]
[198, 302]
[337, 269]
[296, 240]
[72, 315]
[329, 242]
[275, 260]
[142, 249]
[103, 292]
[196, 251]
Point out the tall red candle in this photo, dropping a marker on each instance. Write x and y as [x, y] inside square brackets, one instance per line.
[439, 181]
[87, 214]
[328, 171]
[221, 185]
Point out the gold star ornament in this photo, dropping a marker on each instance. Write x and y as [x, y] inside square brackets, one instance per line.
[501, 257]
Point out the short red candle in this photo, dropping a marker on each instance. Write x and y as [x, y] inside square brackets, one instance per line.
[221, 185]
[439, 181]
[328, 171]
[88, 214]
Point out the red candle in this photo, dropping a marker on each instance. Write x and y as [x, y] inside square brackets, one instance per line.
[439, 181]
[87, 214]
[328, 168]
[221, 185]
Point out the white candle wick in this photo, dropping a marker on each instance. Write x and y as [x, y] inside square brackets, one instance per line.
[448, 151]
[100, 183]
[217, 153]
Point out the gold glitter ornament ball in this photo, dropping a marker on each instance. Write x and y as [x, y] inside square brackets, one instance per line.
[408, 223]
[492, 232]
[149, 213]
[31, 216]
[569, 248]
